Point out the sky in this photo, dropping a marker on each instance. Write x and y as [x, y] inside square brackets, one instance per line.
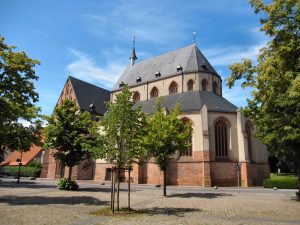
[92, 40]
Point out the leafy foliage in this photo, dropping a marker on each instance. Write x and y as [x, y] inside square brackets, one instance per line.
[17, 98]
[275, 103]
[68, 130]
[119, 131]
[67, 184]
[26, 171]
[166, 134]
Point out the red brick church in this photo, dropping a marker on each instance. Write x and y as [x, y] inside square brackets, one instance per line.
[222, 138]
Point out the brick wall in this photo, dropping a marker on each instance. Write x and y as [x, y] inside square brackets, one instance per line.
[223, 174]
[259, 172]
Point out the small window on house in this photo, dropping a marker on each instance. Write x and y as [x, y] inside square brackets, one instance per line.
[248, 129]
[221, 139]
[190, 142]
[154, 93]
[136, 97]
[190, 85]
[173, 89]
[215, 87]
[204, 84]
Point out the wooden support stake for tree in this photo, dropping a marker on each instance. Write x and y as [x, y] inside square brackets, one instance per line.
[129, 189]
[114, 190]
[111, 190]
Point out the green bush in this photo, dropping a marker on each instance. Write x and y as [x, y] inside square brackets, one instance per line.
[26, 171]
[67, 184]
[284, 181]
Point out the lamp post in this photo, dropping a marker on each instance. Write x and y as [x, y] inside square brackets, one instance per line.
[20, 164]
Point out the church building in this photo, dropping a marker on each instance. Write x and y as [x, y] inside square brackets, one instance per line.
[223, 146]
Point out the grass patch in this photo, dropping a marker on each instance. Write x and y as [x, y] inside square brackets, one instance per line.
[282, 180]
[107, 212]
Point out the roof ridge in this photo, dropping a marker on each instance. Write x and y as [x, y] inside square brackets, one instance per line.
[71, 77]
[163, 54]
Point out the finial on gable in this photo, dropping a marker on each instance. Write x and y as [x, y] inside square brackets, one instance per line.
[194, 34]
[133, 55]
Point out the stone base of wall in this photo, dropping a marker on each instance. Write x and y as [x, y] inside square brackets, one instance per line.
[259, 172]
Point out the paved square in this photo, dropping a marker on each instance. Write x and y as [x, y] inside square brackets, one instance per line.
[40, 202]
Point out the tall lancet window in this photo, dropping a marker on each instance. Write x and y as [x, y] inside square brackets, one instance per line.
[204, 85]
[221, 139]
[190, 85]
[154, 93]
[173, 89]
[136, 97]
[215, 87]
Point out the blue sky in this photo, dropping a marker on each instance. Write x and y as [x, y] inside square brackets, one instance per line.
[92, 40]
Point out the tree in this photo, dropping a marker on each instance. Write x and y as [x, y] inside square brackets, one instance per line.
[166, 134]
[275, 79]
[17, 98]
[118, 134]
[68, 130]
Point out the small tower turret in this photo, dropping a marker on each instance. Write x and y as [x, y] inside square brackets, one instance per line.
[133, 55]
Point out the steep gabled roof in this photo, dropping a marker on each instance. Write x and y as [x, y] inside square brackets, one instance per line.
[87, 94]
[27, 157]
[189, 58]
[191, 101]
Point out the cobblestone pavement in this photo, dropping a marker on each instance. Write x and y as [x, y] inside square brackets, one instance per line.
[41, 203]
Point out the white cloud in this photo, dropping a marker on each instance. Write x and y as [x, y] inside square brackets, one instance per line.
[86, 68]
[228, 55]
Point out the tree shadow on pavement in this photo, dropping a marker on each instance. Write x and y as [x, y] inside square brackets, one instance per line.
[167, 211]
[25, 184]
[43, 200]
[200, 195]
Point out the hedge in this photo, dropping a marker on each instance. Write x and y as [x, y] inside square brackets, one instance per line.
[283, 184]
[26, 171]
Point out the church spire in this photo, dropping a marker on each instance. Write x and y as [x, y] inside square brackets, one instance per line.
[133, 55]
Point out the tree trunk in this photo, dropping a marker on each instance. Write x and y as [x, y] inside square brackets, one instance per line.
[118, 191]
[70, 173]
[165, 182]
[298, 173]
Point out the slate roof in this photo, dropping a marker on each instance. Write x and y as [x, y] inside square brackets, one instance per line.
[189, 58]
[191, 101]
[87, 94]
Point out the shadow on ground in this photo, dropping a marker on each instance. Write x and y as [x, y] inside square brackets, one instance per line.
[25, 184]
[200, 195]
[42, 200]
[167, 211]
[99, 189]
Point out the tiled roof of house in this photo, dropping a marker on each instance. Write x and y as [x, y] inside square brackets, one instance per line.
[191, 101]
[27, 157]
[189, 58]
[87, 94]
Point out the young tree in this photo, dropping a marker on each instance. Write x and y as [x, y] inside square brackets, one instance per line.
[17, 98]
[118, 134]
[68, 130]
[166, 134]
[275, 79]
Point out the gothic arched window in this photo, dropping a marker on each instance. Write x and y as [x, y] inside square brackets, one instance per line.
[173, 89]
[154, 93]
[190, 141]
[190, 85]
[204, 84]
[215, 87]
[248, 129]
[136, 97]
[221, 139]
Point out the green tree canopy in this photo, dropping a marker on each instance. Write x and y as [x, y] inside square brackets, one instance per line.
[166, 134]
[118, 134]
[17, 98]
[68, 130]
[275, 78]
